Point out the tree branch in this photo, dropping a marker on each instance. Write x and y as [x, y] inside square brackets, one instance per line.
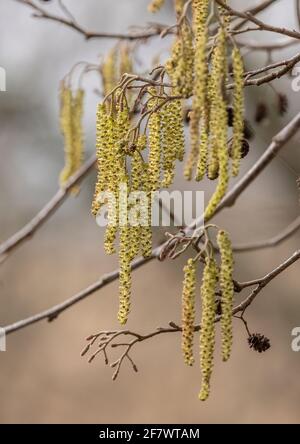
[46, 212]
[41, 13]
[262, 26]
[106, 338]
[273, 241]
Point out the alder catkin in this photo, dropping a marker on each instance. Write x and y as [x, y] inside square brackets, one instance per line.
[71, 127]
[194, 145]
[154, 166]
[172, 139]
[188, 311]
[207, 333]
[203, 144]
[238, 110]
[125, 275]
[227, 289]
[109, 71]
[219, 160]
[101, 154]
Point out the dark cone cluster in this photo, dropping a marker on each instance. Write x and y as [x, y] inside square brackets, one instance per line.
[259, 343]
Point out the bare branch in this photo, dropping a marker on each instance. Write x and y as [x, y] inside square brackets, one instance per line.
[41, 13]
[53, 312]
[273, 241]
[46, 212]
[262, 26]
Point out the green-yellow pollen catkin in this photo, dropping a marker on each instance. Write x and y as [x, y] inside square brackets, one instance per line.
[172, 139]
[126, 65]
[200, 15]
[215, 94]
[207, 333]
[77, 128]
[218, 163]
[188, 311]
[154, 168]
[203, 145]
[227, 289]
[66, 130]
[125, 275]
[109, 71]
[180, 65]
[191, 161]
[71, 128]
[238, 110]
[155, 5]
[102, 156]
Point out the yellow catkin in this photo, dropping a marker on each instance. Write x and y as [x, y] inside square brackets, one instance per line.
[125, 275]
[203, 145]
[155, 5]
[218, 163]
[238, 110]
[66, 130]
[126, 65]
[188, 311]
[118, 129]
[207, 334]
[146, 228]
[154, 168]
[109, 71]
[172, 139]
[101, 154]
[180, 66]
[200, 15]
[77, 128]
[194, 146]
[137, 185]
[227, 289]
[215, 92]
[71, 128]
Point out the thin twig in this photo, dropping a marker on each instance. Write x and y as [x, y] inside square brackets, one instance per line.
[43, 215]
[273, 241]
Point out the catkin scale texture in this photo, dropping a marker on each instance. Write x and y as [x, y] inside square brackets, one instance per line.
[207, 333]
[227, 289]
[188, 311]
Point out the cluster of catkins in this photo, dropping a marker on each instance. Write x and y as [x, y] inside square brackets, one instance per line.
[140, 154]
[122, 161]
[213, 276]
[71, 112]
[200, 69]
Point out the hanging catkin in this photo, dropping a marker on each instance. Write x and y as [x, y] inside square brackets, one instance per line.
[218, 162]
[207, 333]
[71, 127]
[109, 71]
[188, 311]
[227, 289]
[154, 167]
[172, 139]
[238, 110]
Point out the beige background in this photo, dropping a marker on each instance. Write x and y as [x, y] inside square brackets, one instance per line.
[43, 378]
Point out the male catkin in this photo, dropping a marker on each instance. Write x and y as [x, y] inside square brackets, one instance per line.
[238, 110]
[207, 333]
[188, 311]
[71, 128]
[227, 289]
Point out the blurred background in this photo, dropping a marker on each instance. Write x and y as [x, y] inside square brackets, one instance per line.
[43, 378]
